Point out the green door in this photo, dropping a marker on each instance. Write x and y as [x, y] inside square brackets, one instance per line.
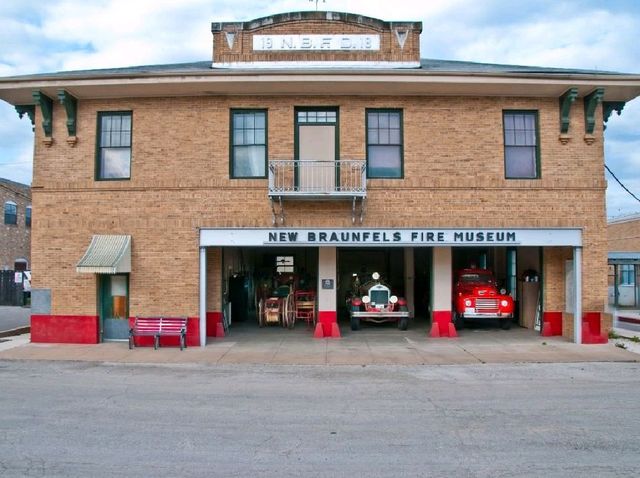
[114, 306]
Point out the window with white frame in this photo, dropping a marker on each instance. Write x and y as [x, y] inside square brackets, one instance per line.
[114, 145]
[248, 144]
[521, 153]
[384, 143]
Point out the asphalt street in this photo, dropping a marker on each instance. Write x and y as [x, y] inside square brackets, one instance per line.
[99, 419]
[13, 317]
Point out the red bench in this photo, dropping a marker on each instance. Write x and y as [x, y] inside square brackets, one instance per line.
[157, 327]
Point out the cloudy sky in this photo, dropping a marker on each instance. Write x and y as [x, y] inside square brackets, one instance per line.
[58, 35]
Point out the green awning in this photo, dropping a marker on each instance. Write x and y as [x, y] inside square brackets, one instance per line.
[107, 254]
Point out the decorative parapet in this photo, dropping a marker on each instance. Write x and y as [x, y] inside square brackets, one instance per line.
[322, 39]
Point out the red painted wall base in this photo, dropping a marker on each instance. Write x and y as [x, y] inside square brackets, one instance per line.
[64, 329]
[591, 329]
[551, 324]
[441, 325]
[214, 325]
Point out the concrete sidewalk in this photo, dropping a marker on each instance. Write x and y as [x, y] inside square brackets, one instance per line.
[366, 347]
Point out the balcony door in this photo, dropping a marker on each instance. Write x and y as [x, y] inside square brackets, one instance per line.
[317, 150]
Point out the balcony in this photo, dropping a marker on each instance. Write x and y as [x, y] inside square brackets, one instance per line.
[306, 179]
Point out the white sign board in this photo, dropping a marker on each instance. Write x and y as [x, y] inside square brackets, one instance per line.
[390, 237]
[316, 42]
[18, 278]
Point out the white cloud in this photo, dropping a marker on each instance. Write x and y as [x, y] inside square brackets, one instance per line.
[595, 39]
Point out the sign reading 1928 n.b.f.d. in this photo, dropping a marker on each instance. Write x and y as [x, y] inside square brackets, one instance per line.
[316, 42]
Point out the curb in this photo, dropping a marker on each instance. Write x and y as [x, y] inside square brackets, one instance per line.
[16, 331]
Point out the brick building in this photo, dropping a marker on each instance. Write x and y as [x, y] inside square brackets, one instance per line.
[624, 261]
[319, 144]
[15, 230]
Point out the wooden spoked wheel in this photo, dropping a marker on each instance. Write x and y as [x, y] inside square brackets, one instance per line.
[289, 313]
[261, 317]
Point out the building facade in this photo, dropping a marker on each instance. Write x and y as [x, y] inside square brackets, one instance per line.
[320, 145]
[15, 230]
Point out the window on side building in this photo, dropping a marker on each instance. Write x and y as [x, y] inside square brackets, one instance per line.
[248, 144]
[114, 145]
[10, 213]
[27, 216]
[384, 143]
[627, 274]
[521, 152]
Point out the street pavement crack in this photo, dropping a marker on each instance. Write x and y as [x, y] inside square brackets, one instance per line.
[473, 355]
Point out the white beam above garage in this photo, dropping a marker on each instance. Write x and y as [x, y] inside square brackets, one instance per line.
[387, 237]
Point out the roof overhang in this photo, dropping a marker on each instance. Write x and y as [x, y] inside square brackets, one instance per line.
[623, 258]
[107, 254]
[407, 82]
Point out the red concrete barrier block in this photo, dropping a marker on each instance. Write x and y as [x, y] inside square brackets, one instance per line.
[442, 325]
[551, 324]
[327, 318]
[591, 329]
[213, 318]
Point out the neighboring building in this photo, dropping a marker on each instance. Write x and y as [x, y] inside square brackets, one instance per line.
[319, 143]
[624, 261]
[15, 229]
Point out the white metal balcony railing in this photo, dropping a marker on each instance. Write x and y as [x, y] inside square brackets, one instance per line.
[316, 179]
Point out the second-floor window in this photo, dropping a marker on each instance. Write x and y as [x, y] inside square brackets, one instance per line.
[114, 145]
[27, 216]
[10, 213]
[384, 143]
[248, 144]
[521, 153]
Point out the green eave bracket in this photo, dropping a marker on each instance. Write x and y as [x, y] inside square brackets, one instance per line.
[46, 107]
[590, 103]
[71, 106]
[609, 107]
[565, 108]
[29, 110]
